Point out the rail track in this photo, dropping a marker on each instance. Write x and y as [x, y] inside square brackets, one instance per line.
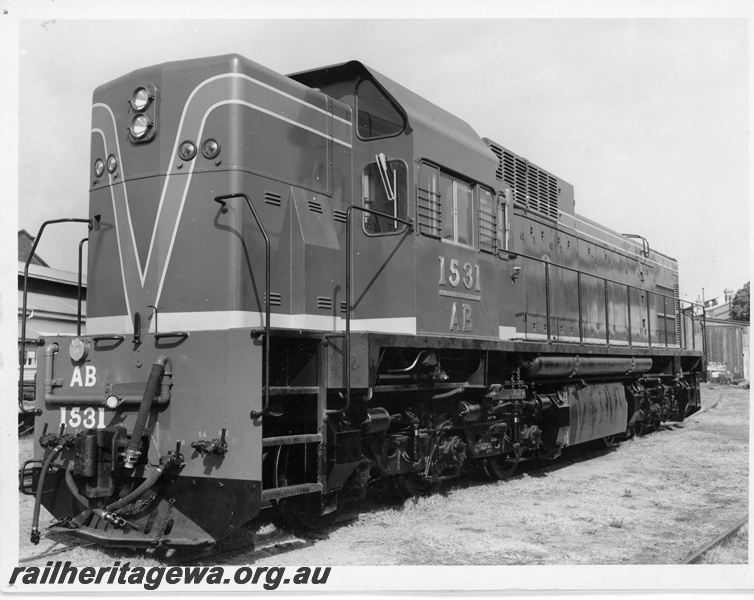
[266, 539]
[253, 545]
[697, 555]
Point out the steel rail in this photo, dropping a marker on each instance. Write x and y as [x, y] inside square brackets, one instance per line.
[697, 554]
[53, 552]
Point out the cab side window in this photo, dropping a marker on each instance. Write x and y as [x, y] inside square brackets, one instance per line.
[445, 206]
[376, 115]
[384, 190]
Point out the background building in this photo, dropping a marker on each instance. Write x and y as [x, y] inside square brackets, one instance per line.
[719, 308]
[726, 341]
[51, 304]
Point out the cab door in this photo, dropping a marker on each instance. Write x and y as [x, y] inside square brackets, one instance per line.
[382, 266]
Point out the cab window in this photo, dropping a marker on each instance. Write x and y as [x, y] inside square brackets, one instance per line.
[445, 206]
[377, 115]
[384, 186]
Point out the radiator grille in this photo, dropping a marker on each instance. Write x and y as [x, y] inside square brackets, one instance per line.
[532, 188]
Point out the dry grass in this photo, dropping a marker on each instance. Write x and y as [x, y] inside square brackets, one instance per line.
[732, 552]
[649, 501]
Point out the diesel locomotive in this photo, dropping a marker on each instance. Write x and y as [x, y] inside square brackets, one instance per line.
[304, 287]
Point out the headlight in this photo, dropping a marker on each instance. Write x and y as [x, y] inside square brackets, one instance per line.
[112, 402]
[140, 126]
[140, 99]
[112, 164]
[99, 167]
[210, 148]
[187, 150]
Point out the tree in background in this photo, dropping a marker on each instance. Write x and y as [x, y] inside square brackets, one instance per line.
[739, 306]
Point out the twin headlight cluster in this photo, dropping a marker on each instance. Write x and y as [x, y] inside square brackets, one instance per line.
[142, 128]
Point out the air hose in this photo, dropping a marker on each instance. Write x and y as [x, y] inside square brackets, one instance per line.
[134, 445]
[40, 489]
[145, 485]
[72, 487]
[108, 513]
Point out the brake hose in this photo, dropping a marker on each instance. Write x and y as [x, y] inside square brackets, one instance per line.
[134, 445]
[40, 488]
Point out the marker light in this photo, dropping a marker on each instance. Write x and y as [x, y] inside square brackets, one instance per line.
[210, 148]
[78, 349]
[140, 126]
[112, 402]
[187, 150]
[99, 167]
[112, 164]
[140, 99]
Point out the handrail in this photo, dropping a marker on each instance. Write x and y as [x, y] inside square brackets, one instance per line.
[224, 208]
[548, 264]
[514, 254]
[80, 286]
[644, 243]
[24, 341]
[349, 244]
[689, 312]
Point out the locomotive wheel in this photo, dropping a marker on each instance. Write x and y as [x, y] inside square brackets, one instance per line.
[298, 515]
[288, 466]
[412, 486]
[498, 469]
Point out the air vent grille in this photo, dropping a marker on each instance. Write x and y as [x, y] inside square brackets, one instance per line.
[315, 206]
[533, 188]
[487, 230]
[275, 299]
[272, 198]
[428, 211]
[339, 215]
[324, 302]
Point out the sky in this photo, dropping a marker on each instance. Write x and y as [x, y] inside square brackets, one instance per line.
[647, 118]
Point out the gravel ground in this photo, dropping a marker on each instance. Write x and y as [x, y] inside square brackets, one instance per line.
[650, 501]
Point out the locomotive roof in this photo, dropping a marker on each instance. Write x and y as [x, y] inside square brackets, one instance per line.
[438, 135]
